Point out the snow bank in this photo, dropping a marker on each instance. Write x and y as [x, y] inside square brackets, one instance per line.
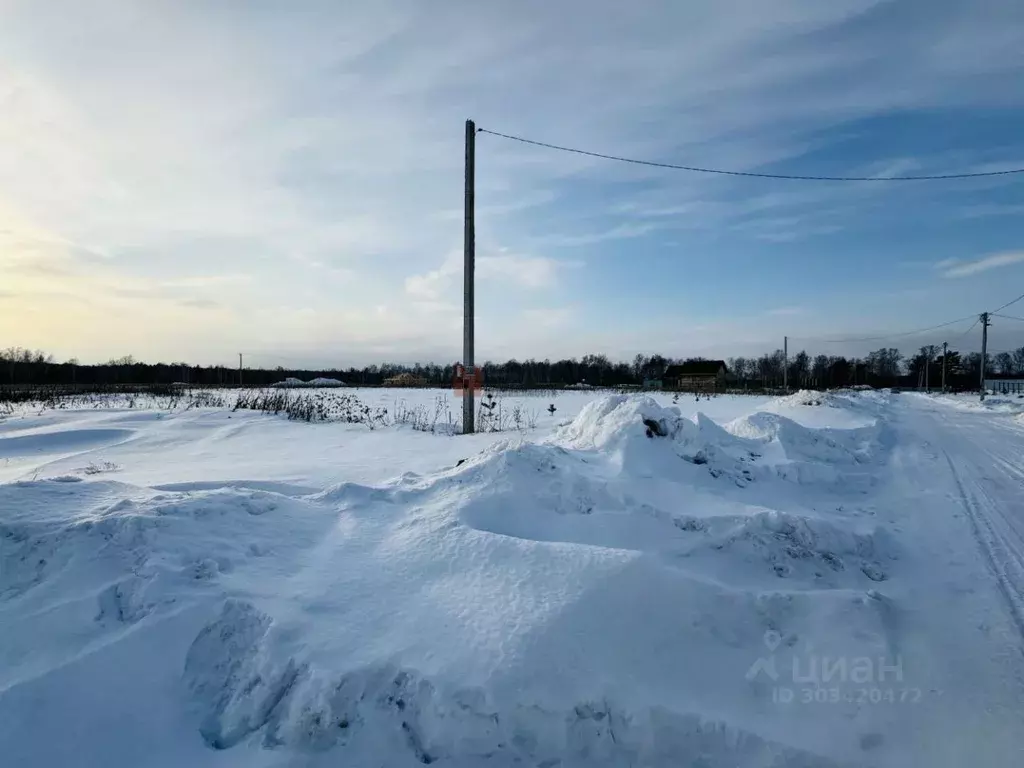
[640, 433]
[595, 599]
[636, 430]
[320, 381]
[969, 401]
[808, 397]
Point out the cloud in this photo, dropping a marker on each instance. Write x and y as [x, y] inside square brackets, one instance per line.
[525, 271]
[992, 209]
[620, 232]
[964, 269]
[200, 303]
[320, 152]
[786, 311]
[551, 317]
[528, 272]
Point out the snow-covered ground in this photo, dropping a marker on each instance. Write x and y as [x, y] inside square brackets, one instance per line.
[817, 580]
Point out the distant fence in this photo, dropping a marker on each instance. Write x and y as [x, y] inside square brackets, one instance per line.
[1005, 386]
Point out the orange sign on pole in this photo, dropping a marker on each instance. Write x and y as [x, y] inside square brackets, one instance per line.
[471, 379]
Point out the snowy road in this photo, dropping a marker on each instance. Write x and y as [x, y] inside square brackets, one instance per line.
[985, 455]
[956, 495]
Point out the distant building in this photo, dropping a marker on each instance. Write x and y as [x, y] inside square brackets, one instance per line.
[696, 376]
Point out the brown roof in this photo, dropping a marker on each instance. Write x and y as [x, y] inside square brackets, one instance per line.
[695, 368]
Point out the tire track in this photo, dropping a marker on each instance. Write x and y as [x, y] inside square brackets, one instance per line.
[1003, 553]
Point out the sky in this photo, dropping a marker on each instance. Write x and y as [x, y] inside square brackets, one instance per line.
[186, 180]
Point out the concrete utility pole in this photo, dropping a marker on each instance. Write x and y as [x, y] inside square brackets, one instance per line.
[984, 351]
[945, 347]
[785, 363]
[239, 369]
[468, 268]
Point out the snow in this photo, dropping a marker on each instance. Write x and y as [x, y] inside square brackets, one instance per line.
[630, 583]
[318, 382]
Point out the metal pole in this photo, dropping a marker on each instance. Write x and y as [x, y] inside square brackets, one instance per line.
[239, 369]
[984, 350]
[469, 264]
[927, 365]
[945, 347]
[785, 363]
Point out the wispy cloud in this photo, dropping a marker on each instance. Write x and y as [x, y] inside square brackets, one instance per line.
[529, 272]
[786, 311]
[620, 232]
[953, 268]
[552, 317]
[992, 209]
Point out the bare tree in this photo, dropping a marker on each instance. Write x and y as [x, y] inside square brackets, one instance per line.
[1004, 363]
[819, 370]
[800, 369]
[1018, 360]
[738, 368]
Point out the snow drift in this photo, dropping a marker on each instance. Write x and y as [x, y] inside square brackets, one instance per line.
[596, 598]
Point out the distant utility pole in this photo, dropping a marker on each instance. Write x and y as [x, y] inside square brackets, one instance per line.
[239, 369]
[945, 346]
[927, 365]
[468, 268]
[785, 363]
[984, 350]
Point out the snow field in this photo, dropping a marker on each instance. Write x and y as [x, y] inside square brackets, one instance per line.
[596, 594]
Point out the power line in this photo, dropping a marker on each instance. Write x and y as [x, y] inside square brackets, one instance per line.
[892, 335]
[790, 177]
[1007, 304]
[961, 336]
[1009, 317]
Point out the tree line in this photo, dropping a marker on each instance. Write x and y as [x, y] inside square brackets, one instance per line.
[885, 367]
[882, 368]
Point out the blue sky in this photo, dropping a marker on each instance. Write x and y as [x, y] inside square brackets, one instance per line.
[186, 180]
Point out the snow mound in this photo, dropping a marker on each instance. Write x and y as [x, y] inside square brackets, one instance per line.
[610, 421]
[645, 437]
[812, 549]
[391, 627]
[808, 397]
[642, 435]
[322, 381]
[385, 709]
[595, 599]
